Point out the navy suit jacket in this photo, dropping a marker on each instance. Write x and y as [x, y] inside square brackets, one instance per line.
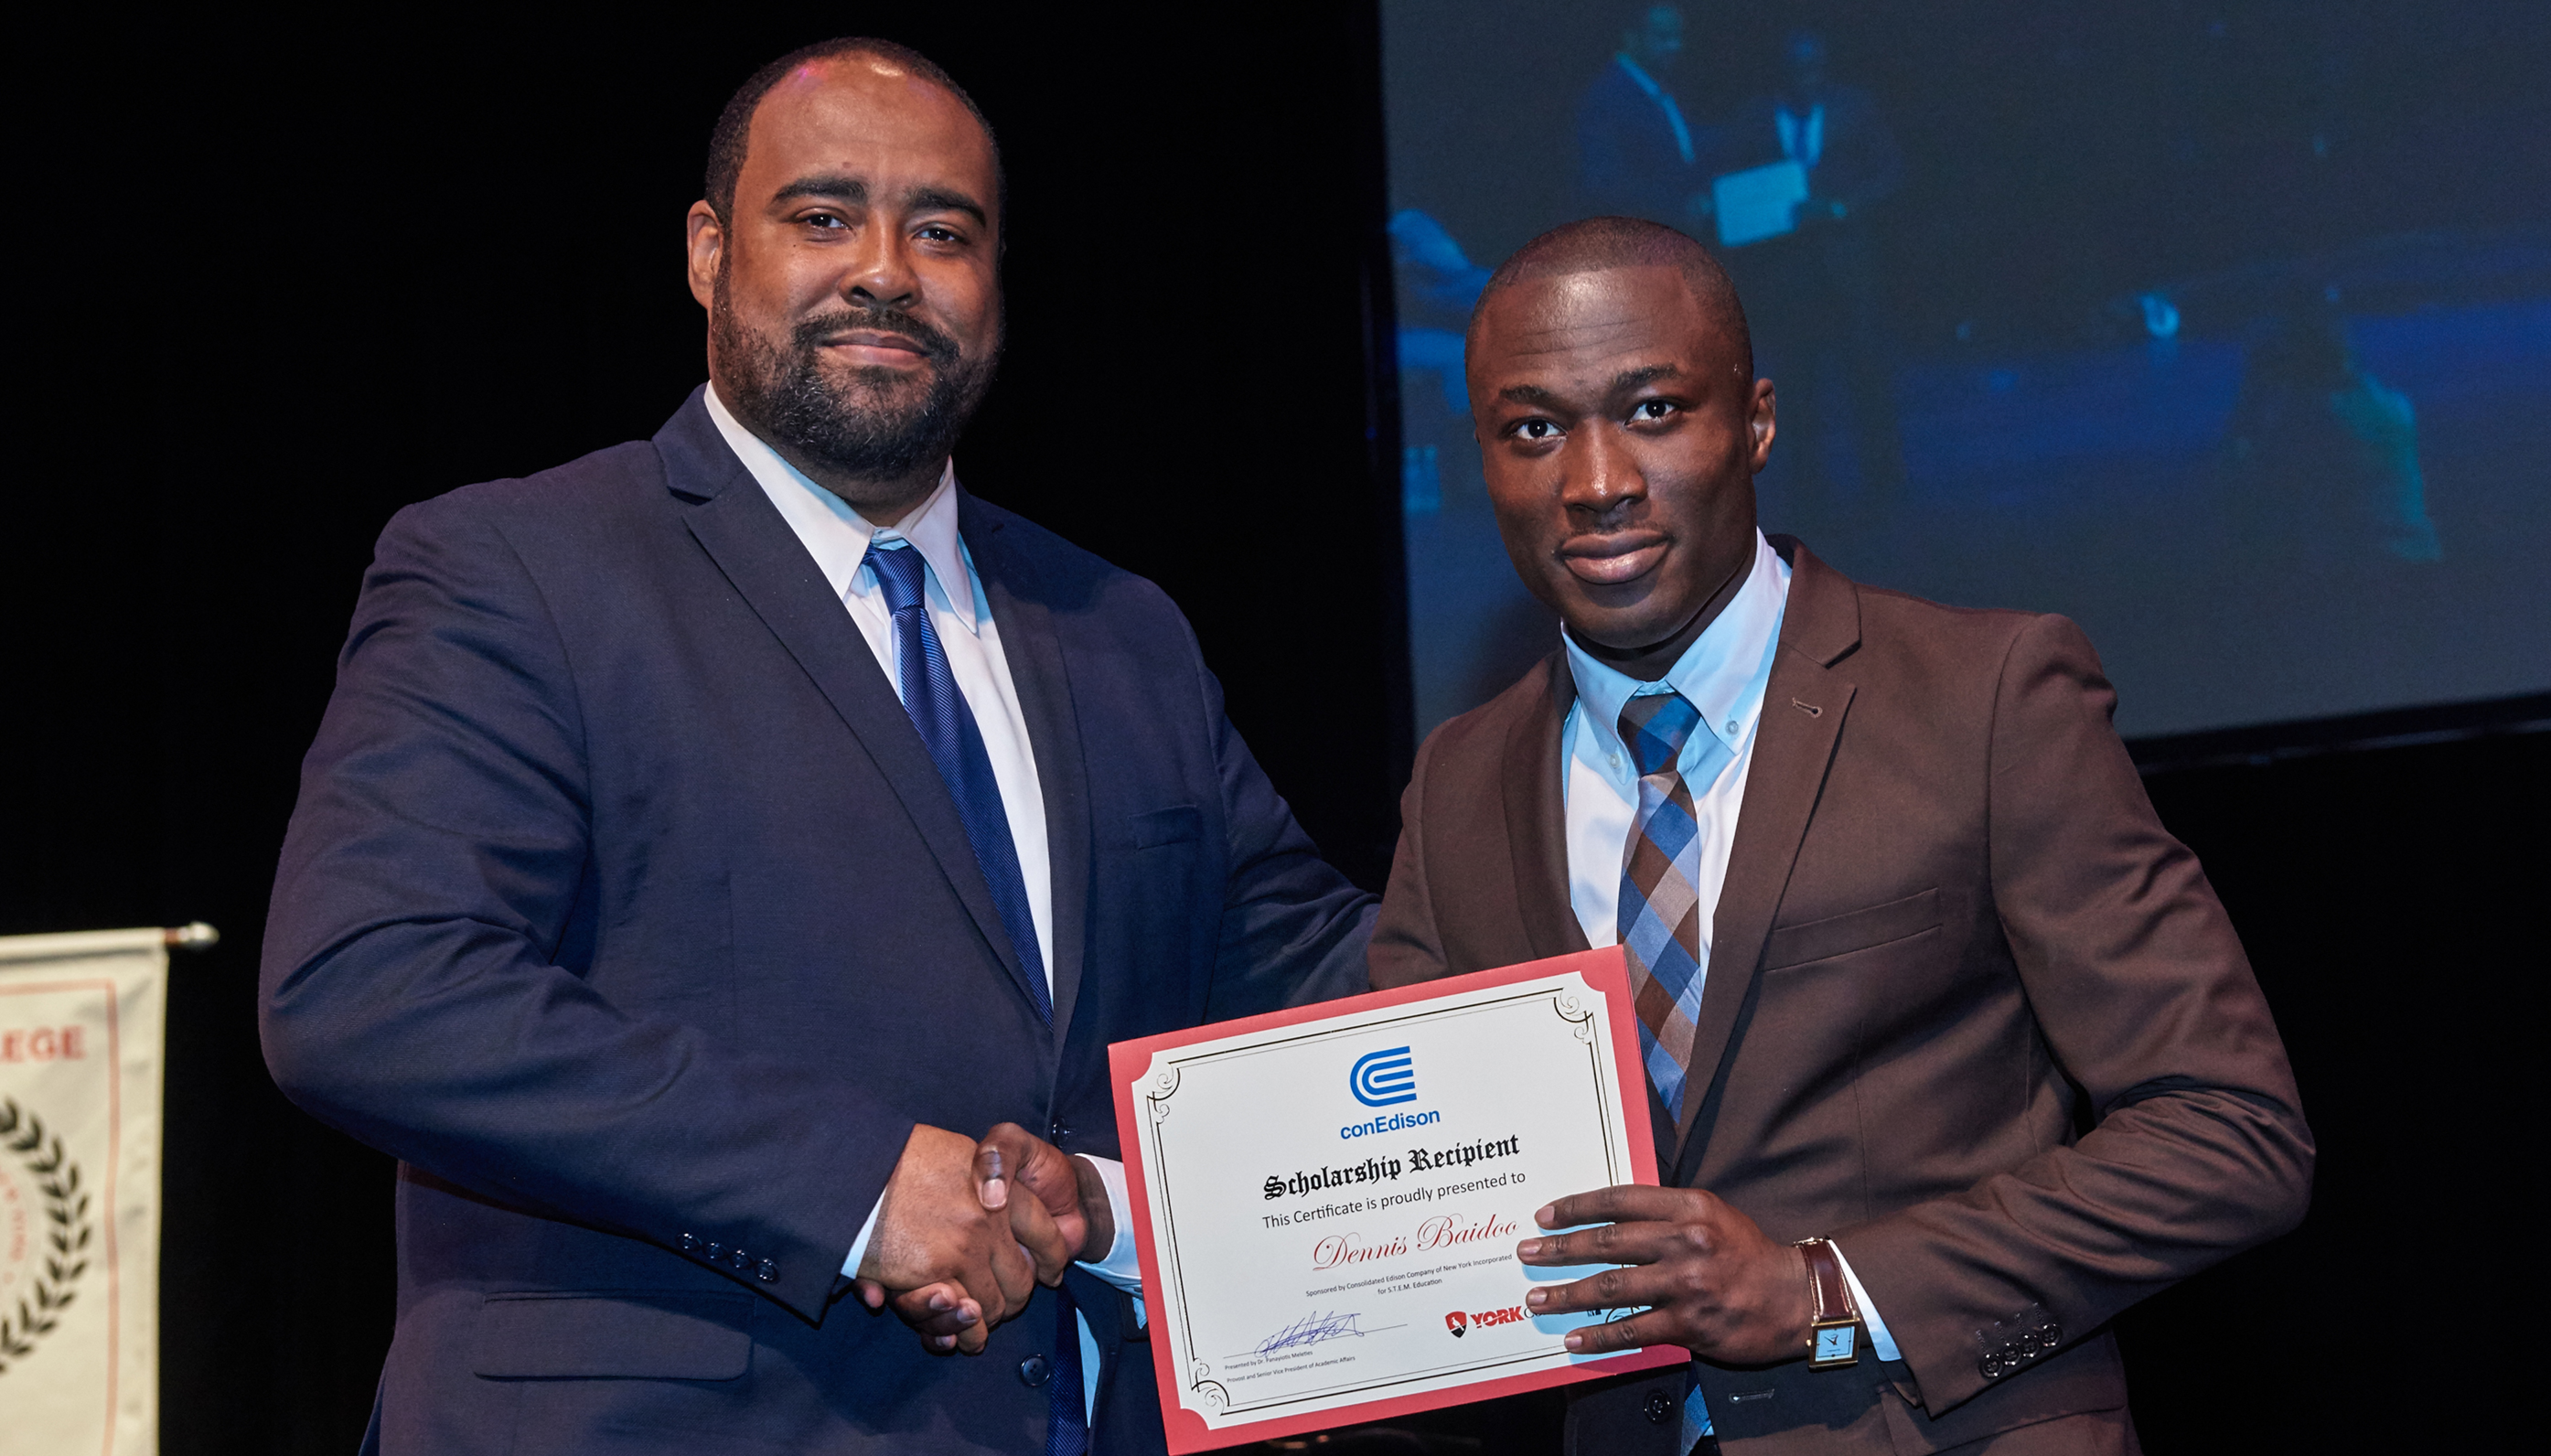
[1628, 162]
[624, 905]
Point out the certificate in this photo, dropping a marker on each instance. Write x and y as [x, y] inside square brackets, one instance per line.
[1758, 203]
[1327, 1201]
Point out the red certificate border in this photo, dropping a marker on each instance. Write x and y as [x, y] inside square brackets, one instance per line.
[1128, 1061]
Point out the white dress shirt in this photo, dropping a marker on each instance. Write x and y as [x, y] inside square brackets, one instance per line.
[1802, 142]
[839, 537]
[1723, 674]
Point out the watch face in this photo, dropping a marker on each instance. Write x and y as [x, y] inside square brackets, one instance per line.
[1836, 1344]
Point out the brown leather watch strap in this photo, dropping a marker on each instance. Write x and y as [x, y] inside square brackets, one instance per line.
[1833, 1334]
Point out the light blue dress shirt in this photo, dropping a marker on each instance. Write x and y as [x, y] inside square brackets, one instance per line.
[1724, 674]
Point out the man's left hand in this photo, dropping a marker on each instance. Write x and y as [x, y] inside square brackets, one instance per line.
[1714, 1284]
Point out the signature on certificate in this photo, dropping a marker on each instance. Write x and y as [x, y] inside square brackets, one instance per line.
[1310, 1329]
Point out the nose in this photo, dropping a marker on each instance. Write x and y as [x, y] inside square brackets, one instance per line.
[1602, 477]
[880, 273]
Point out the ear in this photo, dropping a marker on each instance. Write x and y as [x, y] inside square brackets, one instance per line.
[1763, 423]
[705, 238]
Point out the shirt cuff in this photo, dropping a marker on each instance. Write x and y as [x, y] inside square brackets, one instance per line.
[1122, 1266]
[1879, 1338]
[868, 1230]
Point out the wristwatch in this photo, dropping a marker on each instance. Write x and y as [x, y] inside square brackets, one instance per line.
[1833, 1333]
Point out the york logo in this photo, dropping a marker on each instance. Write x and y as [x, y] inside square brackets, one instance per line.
[1459, 1323]
[1382, 1078]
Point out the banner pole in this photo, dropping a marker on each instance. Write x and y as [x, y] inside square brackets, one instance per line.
[195, 935]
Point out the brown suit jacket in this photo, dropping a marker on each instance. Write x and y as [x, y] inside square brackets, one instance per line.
[1971, 1010]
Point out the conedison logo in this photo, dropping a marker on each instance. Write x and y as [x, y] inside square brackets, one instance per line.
[1380, 1079]
[1384, 1078]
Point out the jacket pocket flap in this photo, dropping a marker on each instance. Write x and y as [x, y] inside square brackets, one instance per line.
[1180, 825]
[1855, 930]
[637, 1335]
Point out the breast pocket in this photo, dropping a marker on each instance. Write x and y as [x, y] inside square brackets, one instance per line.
[1853, 930]
[1180, 824]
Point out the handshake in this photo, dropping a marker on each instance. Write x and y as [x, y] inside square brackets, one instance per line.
[966, 1231]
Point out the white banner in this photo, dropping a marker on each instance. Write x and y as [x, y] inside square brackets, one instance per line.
[81, 1022]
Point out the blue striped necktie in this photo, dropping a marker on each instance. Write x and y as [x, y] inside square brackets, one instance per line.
[1659, 905]
[1067, 1426]
[956, 744]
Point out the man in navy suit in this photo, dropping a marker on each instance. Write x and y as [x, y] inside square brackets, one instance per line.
[711, 839]
[1639, 154]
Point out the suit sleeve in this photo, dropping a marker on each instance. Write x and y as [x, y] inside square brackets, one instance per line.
[1407, 946]
[2199, 1147]
[1294, 929]
[412, 991]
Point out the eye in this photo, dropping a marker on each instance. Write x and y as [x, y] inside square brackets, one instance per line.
[1536, 431]
[940, 233]
[1653, 409]
[825, 221]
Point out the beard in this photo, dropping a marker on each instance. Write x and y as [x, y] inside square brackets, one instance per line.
[868, 423]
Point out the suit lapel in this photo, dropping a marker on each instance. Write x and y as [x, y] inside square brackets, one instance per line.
[1034, 650]
[1802, 715]
[1537, 816]
[745, 534]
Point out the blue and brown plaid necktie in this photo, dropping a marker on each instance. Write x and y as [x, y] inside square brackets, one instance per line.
[1660, 906]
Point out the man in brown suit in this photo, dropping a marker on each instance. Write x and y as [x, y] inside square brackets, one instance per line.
[1955, 1055]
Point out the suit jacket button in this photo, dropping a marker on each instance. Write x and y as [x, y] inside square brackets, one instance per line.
[769, 1273]
[1034, 1371]
[738, 1260]
[1657, 1407]
[688, 1242]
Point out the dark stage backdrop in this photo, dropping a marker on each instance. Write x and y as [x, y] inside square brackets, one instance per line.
[275, 282]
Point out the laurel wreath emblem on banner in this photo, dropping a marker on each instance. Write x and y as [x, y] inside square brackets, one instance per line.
[67, 1211]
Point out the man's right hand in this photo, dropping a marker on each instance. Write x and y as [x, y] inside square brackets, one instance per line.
[1058, 1209]
[934, 1231]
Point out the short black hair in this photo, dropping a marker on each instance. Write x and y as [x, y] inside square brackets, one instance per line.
[1595, 243]
[733, 129]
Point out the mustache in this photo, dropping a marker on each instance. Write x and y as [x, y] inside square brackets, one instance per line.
[937, 347]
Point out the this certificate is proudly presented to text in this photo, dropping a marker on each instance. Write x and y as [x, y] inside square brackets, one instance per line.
[1328, 1199]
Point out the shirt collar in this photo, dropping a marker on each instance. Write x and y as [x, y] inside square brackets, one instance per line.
[1723, 674]
[837, 537]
